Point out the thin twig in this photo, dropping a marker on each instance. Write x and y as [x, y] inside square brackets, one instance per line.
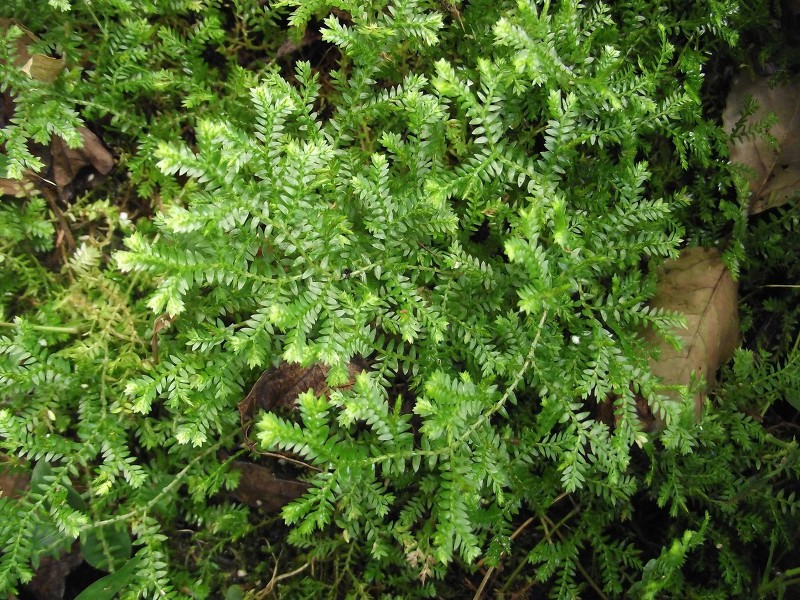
[579, 566]
[62, 221]
[484, 581]
[294, 461]
[269, 588]
[514, 535]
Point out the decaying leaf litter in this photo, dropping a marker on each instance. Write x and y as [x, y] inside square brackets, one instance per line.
[62, 161]
[698, 285]
[773, 163]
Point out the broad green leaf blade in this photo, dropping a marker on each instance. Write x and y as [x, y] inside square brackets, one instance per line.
[106, 548]
[109, 586]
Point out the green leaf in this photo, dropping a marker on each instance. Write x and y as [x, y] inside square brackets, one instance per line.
[39, 478]
[234, 592]
[109, 586]
[106, 548]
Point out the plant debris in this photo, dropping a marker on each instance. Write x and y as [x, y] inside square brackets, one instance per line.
[775, 167]
[699, 286]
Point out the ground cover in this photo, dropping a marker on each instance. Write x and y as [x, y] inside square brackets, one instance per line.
[398, 299]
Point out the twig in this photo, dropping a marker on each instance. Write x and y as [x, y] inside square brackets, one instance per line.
[484, 581]
[514, 535]
[62, 223]
[269, 588]
[579, 566]
[294, 461]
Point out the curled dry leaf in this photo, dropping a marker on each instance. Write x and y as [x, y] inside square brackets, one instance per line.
[21, 43]
[65, 162]
[68, 161]
[776, 171]
[36, 66]
[44, 68]
[698, 285]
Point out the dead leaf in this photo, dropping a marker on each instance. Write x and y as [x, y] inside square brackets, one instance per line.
[275, 386]
[13, 484]
[68, 161]
[36, 66]
[606, 413]
[50, 580]
[65, 162]
[777, 170]
[21, 43]
[280, 386]
[44, 68]
[259, 488]
[19, 188]
[698, 285]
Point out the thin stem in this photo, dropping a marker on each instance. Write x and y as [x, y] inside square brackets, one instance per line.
[294, 461]
[177, 480]
[46, 328]
[592, 583]
[272, 582]
[782, 581]
[480, 421]
[514, 574]
[489, 572]
[484, 581]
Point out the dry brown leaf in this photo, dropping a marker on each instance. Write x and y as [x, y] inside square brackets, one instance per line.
[259, 488]
[13, 484]
[777, 171]
[21, 43]
[36, 66]
[44, 68]
[68, 161]
[280, 387]
[20, 188]
[50, 580]
[698, 285]
[277, 388]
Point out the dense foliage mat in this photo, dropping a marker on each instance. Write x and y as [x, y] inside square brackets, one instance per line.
[454, 211]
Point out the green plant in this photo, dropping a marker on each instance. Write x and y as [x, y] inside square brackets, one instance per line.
[471, 202]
